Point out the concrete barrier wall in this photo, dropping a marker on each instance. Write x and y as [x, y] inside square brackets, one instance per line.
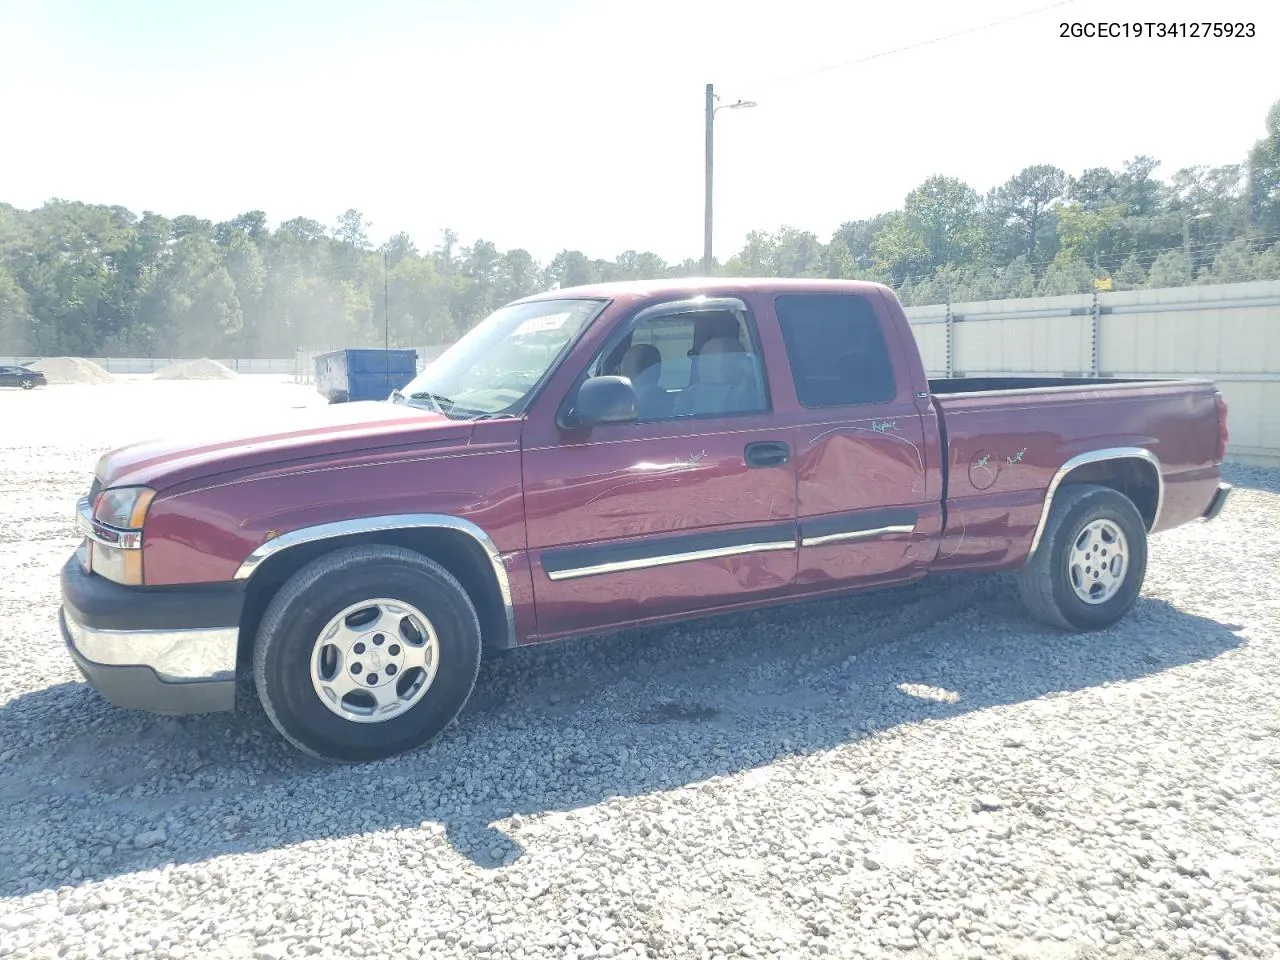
[1229, 333]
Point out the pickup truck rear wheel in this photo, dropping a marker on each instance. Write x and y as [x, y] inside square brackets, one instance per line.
[365, 653]
[1088, 570]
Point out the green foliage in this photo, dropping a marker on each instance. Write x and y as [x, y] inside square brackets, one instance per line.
[1067, 274]
[88, 279]
[1092, 235]
[1266, 266]
[13, 307]
[1263, 190]
[787, 253]
[1027, 200]
[942, 216]
[1168, 270]
[1233, 264]
[1016, 280]
[1130, 276]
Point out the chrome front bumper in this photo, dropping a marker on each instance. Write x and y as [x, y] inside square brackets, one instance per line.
[129, 645]
[134, 670]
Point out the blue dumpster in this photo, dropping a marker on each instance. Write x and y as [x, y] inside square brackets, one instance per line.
[366, 374]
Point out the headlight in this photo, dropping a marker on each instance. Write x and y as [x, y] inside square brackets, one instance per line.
[112, 522]
[124, 508]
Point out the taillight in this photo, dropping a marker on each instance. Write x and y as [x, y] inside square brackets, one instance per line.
[1222, 427]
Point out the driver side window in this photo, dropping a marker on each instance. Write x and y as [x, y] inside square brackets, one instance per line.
[693, 365]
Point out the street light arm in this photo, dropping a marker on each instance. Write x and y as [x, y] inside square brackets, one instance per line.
[736, 105]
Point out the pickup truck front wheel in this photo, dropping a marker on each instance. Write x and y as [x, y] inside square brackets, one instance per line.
[1088, 570]
[365, 653]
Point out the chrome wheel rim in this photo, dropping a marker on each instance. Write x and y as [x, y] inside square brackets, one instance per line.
[375, 660]
[1099, 561]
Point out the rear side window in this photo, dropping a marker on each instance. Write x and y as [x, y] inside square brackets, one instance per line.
[836, 350]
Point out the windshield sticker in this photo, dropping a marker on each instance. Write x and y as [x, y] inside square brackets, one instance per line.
[542, 324]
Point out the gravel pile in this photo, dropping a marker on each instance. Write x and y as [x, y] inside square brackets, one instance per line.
[202, 369]
[72, 370]
[923, 773]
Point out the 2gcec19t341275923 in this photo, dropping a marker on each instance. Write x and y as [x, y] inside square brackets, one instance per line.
[601, 457]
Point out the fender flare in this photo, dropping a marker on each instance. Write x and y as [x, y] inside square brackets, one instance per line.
[400, 521]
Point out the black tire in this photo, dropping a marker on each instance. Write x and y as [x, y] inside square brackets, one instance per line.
[1045, 581]
[28, 384]
[292, 624]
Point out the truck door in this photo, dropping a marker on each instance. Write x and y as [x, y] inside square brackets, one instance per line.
[689, 508]
[862, 503]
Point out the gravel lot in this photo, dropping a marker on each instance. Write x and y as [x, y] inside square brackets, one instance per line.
[923, 773]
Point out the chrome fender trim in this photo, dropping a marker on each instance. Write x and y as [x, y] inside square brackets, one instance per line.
[399, 521]
[1098, 456]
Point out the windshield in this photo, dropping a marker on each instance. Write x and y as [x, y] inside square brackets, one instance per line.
[496, 366]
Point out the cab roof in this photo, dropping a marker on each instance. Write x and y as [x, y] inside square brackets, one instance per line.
[712, 286]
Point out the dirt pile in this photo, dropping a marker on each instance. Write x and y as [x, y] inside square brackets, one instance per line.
[202, 369]
[72, 370]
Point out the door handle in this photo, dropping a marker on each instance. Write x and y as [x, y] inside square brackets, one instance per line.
[766, 453]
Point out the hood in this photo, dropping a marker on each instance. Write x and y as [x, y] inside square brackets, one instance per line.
[291, 436]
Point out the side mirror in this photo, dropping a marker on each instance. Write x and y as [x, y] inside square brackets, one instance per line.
[604, 400]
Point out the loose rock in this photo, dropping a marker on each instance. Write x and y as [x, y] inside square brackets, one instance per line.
[1137, 816]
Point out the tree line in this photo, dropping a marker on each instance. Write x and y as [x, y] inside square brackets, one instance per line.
[92, 280]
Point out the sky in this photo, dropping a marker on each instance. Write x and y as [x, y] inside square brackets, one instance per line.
[554, 124]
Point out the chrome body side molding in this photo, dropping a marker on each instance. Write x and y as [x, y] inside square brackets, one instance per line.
[856, 535]
[663, 560]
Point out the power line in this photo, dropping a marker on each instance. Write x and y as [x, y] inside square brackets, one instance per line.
[1201, 280]
[1110, 260]
[967, 273]
[914, 46]
[1114, 259]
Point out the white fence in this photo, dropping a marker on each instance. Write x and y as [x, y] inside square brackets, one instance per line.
[1229, 333]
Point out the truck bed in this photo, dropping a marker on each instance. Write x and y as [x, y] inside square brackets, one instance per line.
[1005, 437]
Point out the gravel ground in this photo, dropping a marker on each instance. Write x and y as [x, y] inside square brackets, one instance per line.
[922, 773]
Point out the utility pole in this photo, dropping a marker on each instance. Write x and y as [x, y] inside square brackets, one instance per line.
[1186, 240]
[386, 320]
[706, 225]
[1186, 244]
[711, 122]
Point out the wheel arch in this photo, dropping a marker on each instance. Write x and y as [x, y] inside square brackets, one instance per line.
[458, 545]
[1134, 472]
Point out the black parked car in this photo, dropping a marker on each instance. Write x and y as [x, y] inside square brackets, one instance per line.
[23, 377]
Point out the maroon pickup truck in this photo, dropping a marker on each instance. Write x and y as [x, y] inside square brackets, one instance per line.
[602, 457]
